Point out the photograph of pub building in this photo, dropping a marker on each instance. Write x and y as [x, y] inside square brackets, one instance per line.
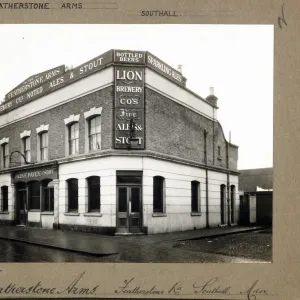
[117, 145]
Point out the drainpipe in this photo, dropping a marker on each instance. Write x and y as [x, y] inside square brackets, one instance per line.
[206, 177]
[228, 185]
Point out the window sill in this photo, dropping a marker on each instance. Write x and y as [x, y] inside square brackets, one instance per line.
[219, 158]
[92, 214]
[71, 214]
[47, 213]
[194, 214]
[4, 212]
[34, 210]
[72, 155]
[159, 215]
[93, 151]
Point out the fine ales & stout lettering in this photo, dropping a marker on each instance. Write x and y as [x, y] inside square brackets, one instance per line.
[129, 103]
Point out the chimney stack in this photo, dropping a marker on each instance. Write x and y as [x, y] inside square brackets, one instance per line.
[179, 69]
[212, 98]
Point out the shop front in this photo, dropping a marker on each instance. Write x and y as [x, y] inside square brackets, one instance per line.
[35, 191]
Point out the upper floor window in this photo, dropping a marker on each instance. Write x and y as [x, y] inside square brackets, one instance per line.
[72, 135]
[74, 138]
[158, 194]
[25, 145]
[93, 129]
[219, 150]
[195, 189]
[95, 133]
[5, 155]
[4, 198]
[44, 145]
[93, 193]
[26, 148]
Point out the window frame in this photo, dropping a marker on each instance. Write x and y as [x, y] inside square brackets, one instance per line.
[89, 194]
[25, 150]
[47, 190]
[43, 147]
[96, 134]
[4, 208]
[88, 115]
[30, 197]
[69, 182]
[162, 195]
[5, 156]
[75, 138]
[195, 199]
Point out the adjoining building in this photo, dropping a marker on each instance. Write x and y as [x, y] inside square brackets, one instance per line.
[119, 145]
[256, 196]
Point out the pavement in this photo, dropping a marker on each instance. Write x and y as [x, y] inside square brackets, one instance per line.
[103, 245]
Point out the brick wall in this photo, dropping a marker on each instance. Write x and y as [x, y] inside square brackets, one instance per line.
[55, 118]
[176, 130]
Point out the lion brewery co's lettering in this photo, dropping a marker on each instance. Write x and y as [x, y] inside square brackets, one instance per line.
[128, 78]
[125, 140]
[130, 75]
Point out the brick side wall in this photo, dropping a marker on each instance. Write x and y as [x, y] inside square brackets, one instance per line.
[176, 130]
[55, 118]
[233, 157]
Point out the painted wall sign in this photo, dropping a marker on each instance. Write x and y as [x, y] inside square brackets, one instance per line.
[36, 174]
[94, 65]
[51, 80]
[34, 81]
[156, 64]
[129, 106]
[129, 57]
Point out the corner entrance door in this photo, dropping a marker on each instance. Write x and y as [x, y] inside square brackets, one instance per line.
[22, 208]
[129, 219]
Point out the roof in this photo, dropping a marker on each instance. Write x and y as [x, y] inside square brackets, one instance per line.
[250, 179]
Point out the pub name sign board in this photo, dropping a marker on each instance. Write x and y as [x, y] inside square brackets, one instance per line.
[36, 174]
[51, 80]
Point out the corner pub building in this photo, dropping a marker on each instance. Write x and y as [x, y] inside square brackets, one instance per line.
[117, 145]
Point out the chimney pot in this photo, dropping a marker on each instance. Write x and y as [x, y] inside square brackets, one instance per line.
[211, 91]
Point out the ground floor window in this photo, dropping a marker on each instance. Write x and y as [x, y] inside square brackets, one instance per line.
[158, 194]
[93, 193]
[4, 197]
[34, 195]
[48, 195]
[195, 187]
[72, 195]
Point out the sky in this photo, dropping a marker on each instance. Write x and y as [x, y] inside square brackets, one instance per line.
[237, 60]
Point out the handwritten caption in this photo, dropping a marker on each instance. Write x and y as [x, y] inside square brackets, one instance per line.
[128, 287]
[281, 19]
[212, 286]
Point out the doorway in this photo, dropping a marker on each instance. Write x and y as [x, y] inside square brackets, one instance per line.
[22, 206]
[223, 202]
[129, 202]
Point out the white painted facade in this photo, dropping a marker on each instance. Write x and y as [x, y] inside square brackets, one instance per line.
[178, 177]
